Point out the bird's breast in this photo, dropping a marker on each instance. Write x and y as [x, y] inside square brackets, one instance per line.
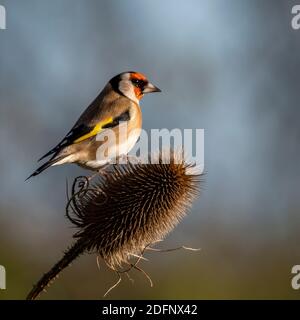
[115, 142]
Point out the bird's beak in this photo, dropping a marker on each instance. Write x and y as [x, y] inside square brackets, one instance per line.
[150, 88]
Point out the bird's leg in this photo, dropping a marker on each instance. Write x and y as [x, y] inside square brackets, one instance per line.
[127, 158]
[122, 159]
[99, 171]
[133, 159]
[92, 176]
[102, 170]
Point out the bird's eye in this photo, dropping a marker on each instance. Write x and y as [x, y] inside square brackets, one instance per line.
[137, 82]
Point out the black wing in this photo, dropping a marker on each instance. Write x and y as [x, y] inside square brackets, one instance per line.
[123, 117]
[74, 134]
[81, 130]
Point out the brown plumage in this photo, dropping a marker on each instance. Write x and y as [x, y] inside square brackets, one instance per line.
[116, 107]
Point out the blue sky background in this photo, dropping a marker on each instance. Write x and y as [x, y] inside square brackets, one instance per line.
[230, 67]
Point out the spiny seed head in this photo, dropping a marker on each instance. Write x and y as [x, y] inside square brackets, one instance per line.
[132, 207]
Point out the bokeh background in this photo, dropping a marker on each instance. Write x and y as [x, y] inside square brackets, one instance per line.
[230, 67]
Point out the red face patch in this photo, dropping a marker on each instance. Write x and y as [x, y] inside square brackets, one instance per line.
[138, 76]
[137, 90]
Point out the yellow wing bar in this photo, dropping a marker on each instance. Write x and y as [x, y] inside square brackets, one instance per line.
[95, 130]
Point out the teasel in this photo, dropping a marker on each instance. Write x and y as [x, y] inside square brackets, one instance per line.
[127, 210]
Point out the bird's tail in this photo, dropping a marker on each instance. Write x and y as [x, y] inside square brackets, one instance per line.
[46, 165]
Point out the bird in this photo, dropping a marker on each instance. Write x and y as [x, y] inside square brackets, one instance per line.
[117, 105]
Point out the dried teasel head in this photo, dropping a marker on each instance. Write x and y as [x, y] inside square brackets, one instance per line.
[118, 215]
[122, 213]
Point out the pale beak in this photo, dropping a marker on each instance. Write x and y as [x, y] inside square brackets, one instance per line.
[150, 88]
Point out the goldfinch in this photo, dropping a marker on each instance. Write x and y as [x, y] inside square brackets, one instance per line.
[116, 105]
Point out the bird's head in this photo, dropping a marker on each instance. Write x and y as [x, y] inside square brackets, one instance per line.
[132, 85]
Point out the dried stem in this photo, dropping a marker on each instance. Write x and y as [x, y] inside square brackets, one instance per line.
[70, 255]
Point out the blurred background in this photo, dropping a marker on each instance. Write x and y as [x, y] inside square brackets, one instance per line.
[230, 67]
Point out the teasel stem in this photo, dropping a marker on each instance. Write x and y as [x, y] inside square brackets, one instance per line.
[70, 255]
